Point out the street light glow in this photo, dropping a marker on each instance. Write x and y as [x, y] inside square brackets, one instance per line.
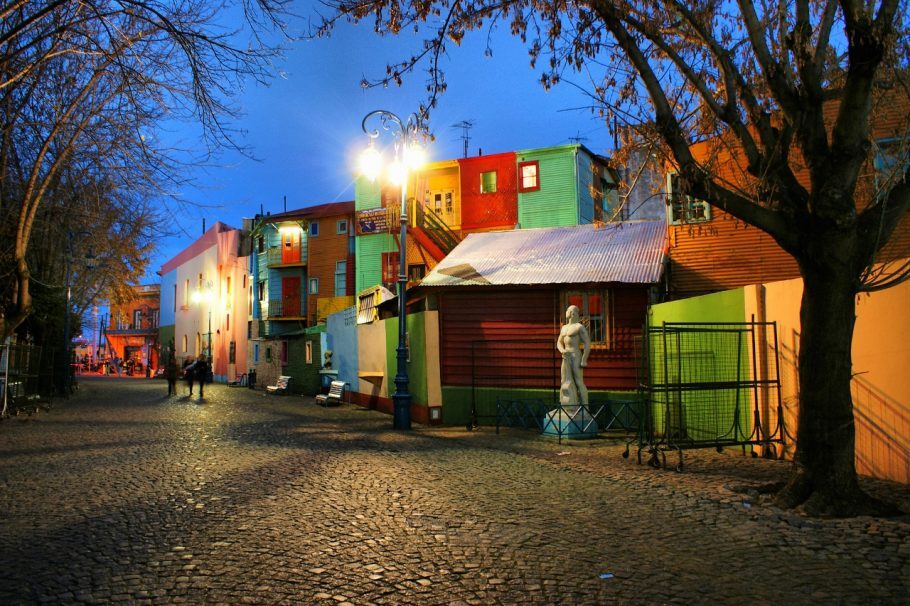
[370, 163]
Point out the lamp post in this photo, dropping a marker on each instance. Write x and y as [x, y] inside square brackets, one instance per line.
[68, 271]
[206, 296]
[407, 154]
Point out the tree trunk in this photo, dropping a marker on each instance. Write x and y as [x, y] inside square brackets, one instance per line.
[824, 480]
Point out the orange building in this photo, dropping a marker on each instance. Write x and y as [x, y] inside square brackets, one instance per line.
[711, 250]
[132, 334]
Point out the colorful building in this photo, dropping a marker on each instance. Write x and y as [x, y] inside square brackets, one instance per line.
[204, 291]
[132, 333]
[302, 269]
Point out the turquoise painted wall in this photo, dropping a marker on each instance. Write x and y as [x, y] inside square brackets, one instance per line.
[341, 338]
[556, 202]
[367, 194]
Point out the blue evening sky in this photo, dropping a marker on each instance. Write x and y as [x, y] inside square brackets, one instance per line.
[305, 128]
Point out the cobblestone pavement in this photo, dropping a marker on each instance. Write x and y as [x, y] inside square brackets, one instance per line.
[121, 495]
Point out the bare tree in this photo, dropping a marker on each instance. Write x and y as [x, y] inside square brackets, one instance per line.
[84, 87]
[756, 77]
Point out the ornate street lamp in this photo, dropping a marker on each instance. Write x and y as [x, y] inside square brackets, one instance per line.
[408, 156]
[206, 295]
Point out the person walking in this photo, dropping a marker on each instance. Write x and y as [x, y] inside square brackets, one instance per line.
[201, 371]
[170, 373]
[188, 373]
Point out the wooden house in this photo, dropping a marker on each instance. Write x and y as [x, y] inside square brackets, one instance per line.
[501, 299]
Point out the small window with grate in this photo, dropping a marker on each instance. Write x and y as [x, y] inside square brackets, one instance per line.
[683, 209]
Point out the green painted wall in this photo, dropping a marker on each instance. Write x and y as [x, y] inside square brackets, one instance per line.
[556, 202]
[367, 194]
[726, 306]
[368, 251]
[417, 367]
[696, 359]
[306, 377]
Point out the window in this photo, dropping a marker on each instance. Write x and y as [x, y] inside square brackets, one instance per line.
[389, 269]
[260, 244]
[227, 322]
[255, 352]
[314, 286]
[594, 307]
[232, 352]
[341, 281]
[268, 354]
[308, 347]
[528, 176]
[284, 353]
[184, 342]
[341, 226]
[200, 282]
[682, 208]
[137, 319]
[262, 291]
[314, 228]
[488, 182]
[155, 317]
[890, 162]
[186, 294]
[416, 272]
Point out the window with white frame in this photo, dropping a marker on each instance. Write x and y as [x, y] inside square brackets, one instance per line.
[314, 286]
[594, 308]
[341, 226]
[528, 176]
[341, 278]
[314, 228]
[682, 208]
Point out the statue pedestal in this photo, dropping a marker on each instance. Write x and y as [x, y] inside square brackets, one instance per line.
[571, 422]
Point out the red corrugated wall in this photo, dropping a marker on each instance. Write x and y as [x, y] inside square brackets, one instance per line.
[488, 211]
[532, 316]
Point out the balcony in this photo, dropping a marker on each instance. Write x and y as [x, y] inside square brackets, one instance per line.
[282, 310]
[294, 258]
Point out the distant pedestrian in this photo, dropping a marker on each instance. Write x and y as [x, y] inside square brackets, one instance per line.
[170, 373]
[201, 370]
[188, 373]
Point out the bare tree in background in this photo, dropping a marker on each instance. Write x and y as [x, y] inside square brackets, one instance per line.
[755, 77]
[84, 88]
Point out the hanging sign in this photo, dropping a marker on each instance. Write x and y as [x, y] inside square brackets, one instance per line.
[372, 221]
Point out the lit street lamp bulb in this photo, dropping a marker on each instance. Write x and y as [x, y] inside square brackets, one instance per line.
[370, 163]
[398, 172]
[414, 157]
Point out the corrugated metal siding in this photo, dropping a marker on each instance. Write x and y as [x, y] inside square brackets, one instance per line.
[630, 253]
[487, 211]
[585, 182]
[556, 202]
[508, 317]
[724, 253]
[367, 194]
[369, 251]
[498, 316]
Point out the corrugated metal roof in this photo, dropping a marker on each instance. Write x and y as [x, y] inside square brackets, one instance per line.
[627, 253]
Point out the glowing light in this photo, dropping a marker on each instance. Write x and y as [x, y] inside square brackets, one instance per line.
[370, 163]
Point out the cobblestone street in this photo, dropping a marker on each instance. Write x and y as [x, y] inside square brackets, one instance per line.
[121, 495]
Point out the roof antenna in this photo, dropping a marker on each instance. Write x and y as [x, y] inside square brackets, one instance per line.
[577, 139]
[465, 126]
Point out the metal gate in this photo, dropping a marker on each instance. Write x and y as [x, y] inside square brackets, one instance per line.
[709, 385]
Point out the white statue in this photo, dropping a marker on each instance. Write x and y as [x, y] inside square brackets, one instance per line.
[572, 335]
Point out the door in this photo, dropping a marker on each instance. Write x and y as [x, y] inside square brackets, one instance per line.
[290, 296]
[290, 246]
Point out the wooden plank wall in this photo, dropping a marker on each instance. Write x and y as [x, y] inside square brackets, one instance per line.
[521, 327]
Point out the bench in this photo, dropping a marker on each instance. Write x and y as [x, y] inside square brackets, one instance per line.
[335, 395]
[280, 387]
